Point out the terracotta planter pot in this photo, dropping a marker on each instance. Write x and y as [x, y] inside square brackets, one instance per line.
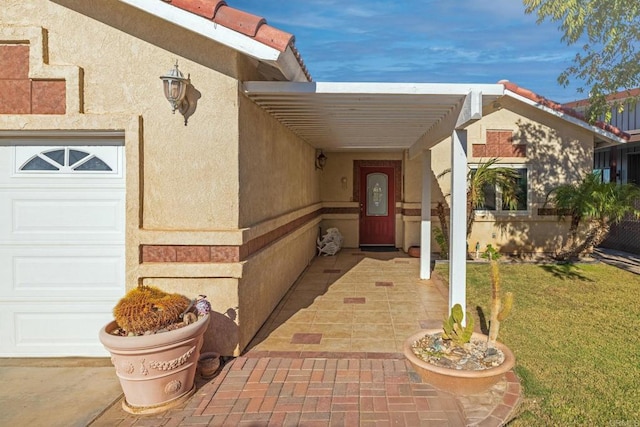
[208, 364]
[156, 371]
[456, 381]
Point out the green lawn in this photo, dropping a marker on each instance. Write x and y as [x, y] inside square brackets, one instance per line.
[575, 331]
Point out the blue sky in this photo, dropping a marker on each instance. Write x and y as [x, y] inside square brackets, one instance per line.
[460, 41]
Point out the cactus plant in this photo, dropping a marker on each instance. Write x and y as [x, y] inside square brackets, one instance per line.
[454, 329]
[499, 309]
[147, 308]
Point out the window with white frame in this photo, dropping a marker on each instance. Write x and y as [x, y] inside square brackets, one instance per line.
[493, 197]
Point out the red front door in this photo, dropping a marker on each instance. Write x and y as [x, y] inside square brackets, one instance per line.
[377, 206]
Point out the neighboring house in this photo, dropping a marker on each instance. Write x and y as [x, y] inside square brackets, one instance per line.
[547, 145]
[102, 188]
[620, 163]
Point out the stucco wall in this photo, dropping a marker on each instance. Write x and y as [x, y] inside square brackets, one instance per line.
[183, 182]
[278, 189]
[556, 153]
[269, 274]
[277, 173]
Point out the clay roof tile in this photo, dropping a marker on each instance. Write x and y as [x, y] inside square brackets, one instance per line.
[204, 8]
[237, 20]
[538, 99]
[274, 37]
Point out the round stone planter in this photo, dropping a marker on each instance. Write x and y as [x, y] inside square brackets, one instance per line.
[460, 382]
[156, 372]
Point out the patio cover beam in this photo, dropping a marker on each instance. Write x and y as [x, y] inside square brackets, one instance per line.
[368, 116]
[471, 111]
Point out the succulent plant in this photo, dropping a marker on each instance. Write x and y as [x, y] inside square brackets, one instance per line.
[147, 308]
[454, 329]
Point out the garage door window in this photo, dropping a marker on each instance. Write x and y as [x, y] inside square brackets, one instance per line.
[65, 160]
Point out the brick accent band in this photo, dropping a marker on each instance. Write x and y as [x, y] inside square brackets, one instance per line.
[221, 254]
[230, 254]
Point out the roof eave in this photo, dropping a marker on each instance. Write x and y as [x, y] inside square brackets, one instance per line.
[286, 62]
[603, 134]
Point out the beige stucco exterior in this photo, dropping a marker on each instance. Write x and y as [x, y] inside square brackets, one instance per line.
[235, 182]
[556, 153]
[232, 174]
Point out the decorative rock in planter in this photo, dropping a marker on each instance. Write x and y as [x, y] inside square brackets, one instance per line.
[156, 371]
[458, 381]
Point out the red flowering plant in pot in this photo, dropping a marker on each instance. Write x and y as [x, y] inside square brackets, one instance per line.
[458, 360]
[155, 343]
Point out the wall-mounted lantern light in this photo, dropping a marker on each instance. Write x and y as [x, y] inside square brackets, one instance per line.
[321, 160]
[175, 90]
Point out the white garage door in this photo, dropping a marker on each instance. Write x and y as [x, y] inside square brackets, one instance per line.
[61, 247]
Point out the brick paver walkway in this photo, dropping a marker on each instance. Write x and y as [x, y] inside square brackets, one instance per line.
[295, 391]
[330, 356]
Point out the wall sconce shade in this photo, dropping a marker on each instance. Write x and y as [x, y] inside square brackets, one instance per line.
[321, 160]
[175, 89]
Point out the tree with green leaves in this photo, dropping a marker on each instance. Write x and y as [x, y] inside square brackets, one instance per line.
[592, 207]
[609, 32]
[485, 175]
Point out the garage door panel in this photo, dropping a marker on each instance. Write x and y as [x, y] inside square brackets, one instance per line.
[53, 271]
[53, 329]
[62, 239]
[45, 217]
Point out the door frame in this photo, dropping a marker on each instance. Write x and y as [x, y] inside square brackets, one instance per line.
[397, 172]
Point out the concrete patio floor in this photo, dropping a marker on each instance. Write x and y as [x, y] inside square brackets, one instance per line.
[331, 355]
[55, 392]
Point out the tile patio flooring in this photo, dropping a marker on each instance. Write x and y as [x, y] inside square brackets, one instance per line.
[355, 302]
[331, 355]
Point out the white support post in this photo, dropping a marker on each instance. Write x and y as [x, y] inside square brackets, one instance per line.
[425, 225]
[458, 222]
